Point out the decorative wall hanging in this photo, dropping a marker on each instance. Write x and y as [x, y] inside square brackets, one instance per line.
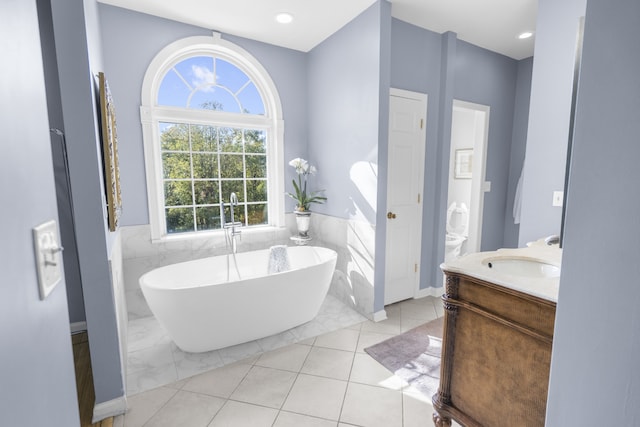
[110, 153]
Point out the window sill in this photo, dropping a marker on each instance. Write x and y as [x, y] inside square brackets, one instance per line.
[256, 231]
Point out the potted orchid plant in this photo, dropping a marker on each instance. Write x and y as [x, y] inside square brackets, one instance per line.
[302, 197]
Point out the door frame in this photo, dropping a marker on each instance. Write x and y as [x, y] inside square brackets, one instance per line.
[478, 184]
[423, 99]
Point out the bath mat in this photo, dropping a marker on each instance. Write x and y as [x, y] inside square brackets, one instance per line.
[413, 356]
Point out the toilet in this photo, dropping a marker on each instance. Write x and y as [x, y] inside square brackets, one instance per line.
[457, 230]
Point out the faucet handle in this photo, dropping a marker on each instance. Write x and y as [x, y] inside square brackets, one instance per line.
[552, 240]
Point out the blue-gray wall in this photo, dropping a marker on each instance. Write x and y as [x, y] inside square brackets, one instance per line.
[37, 374]
[77, 41]
[58, 150]
[446, 68]
[348, 121]
[595, 379]
[550, 110]
[131, 40]
[344, 79]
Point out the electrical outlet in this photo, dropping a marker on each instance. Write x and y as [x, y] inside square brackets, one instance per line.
[48, 259]
[557, 198]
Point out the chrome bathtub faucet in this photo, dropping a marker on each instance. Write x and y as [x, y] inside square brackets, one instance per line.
[233, 201]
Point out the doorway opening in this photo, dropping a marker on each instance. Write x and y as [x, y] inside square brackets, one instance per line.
[467, 185]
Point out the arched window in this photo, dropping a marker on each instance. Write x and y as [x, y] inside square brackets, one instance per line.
[212, 126]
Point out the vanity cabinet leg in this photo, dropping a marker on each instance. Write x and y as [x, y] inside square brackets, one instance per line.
[440, 421]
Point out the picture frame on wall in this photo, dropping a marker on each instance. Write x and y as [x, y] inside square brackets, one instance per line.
[110, 153]
[463, 163]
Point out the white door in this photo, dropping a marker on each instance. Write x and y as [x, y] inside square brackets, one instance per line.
[407, 122]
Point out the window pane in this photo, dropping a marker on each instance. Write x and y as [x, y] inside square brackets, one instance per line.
[229, 187]
[230, 76]
[255, 141]
[238, 213]
[258, 214]
[214, 98]
[173, 91]
[205, 165]
[174, 136]
[230, 140]
[176, 165]
[251, 100]
[208, 218]
[179, 220]
[204, 138]
[231, 166]
[206, 192]
[256, 190]
[177, 193]
[256, 166]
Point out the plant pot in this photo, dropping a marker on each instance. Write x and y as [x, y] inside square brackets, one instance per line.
[303, 220]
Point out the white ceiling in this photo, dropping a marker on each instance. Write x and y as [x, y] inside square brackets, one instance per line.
[491, 24]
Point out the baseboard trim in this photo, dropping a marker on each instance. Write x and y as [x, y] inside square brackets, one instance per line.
[109, 408]
[379, 316]
[429, 292]
[78, 327]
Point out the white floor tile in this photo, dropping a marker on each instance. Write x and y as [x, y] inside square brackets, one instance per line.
[239, 352]
[387, 326]
[367, 339]
[265, 386]
[150, 357]
[187, 409]
[366, 370]
[342, 339]
[276, 341]
[144, 333]
[219, 382]
[235, 414]
[371, 406]
[416, 408]
[289, 419]
[148, 379]
[316, 396]
[290, 358]
[190, 364]
[143, 406]
[327, 362]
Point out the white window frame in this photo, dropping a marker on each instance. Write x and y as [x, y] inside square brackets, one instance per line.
[151, 115]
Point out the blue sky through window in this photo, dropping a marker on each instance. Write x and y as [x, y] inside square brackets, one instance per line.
[201, 81]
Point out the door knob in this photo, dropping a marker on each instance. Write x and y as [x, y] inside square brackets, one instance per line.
[391, 215]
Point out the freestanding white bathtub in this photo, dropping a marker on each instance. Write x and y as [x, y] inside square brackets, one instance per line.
[202, 310]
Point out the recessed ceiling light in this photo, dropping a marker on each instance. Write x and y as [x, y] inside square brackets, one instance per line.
[284, 18]
[525, 35]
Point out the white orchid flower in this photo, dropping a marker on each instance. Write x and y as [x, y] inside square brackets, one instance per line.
[301, 165]
[300, 195]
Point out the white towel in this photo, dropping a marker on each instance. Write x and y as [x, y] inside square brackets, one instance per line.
[278, 259]
[517, 201]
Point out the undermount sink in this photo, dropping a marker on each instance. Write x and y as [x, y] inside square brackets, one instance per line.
[527, 267]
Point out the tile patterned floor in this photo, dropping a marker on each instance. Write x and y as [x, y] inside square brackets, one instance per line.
[154, 360]
[320, 381]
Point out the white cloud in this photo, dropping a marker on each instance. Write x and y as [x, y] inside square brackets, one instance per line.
[203, 76]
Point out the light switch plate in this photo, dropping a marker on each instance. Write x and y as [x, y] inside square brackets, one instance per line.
[557, 198]
[48, 260]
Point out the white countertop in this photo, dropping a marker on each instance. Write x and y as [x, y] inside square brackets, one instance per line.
[475, 265]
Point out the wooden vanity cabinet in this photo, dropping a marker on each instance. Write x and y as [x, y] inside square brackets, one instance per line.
[496, 354]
